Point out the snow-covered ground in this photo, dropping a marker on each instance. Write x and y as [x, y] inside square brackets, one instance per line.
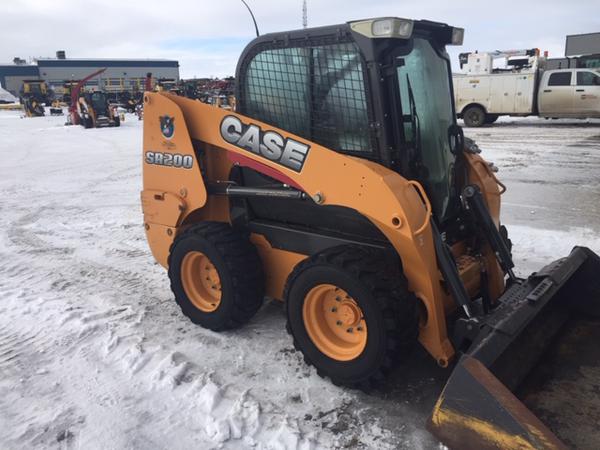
[7, 97]
[94, 352]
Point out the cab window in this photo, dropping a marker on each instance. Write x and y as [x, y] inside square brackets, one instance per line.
[315, 91]
[587, 79]
[560, 79]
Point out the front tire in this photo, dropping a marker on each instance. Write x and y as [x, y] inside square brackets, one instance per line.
[350, 316]
[474, 116]
[216, 276]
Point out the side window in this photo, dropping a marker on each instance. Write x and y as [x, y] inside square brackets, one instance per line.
[339, 101]
[316, 92]
[560, 79]
[276, 89]
[587, 79]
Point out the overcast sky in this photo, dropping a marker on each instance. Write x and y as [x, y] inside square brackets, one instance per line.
[207, 36]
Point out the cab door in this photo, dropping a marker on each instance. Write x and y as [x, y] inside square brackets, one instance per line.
[587, 93]
[556, 94]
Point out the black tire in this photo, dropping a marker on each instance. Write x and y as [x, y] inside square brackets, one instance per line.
[474, 116]
[389, 310]
[117, 120]
[491, 118]
[88, 122]
[238, 265]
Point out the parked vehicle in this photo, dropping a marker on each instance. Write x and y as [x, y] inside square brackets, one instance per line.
[342, 185]
[522, 88]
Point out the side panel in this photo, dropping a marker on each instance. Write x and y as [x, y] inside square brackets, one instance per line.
[277, 265]
[389, 201]
[472, 89]
[497, 93]
[587, 95]
[524, 102]
[173, 185]
[508, 95]
[555, 101]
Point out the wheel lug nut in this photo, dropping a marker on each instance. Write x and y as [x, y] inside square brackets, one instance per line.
[334, 309]
[338, 299]
[349, 330]
[339, 323]
[359, 328]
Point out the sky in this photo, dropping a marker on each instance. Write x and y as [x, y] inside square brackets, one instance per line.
[207, 36]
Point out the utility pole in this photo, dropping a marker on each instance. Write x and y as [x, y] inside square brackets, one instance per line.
[304, 15]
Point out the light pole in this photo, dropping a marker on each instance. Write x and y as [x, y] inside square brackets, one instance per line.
[253, 19]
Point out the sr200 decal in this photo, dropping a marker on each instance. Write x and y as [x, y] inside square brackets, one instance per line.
[170, 160]
[268, 144]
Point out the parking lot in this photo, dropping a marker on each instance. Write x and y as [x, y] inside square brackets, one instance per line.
[93, 348]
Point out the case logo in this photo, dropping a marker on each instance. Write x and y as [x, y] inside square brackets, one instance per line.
[267, 144]
[167, 127]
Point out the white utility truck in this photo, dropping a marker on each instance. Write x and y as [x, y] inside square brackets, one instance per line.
[522, 87]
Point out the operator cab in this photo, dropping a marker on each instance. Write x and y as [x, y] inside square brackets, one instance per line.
[379, 89]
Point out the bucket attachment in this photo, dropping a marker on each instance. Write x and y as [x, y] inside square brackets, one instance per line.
[509, 347]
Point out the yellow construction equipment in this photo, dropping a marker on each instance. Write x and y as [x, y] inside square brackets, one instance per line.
[342, 185]
[34, 94]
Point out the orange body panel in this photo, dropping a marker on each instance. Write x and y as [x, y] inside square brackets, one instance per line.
[481, 175]
[388, 200]
[277, 265]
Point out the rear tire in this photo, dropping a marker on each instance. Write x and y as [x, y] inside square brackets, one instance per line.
[362, 279]
[474, 116]
[233, 275]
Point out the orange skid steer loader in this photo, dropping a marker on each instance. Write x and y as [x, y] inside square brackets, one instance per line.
[343, 186]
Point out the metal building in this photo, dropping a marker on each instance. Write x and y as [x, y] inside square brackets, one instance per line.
[581, 51]
[120, 75]
[13, 75]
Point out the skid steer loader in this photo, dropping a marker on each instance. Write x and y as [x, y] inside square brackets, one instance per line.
[343, 186]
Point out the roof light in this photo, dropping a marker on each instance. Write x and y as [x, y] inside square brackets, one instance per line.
[458, 35]
[387, 27]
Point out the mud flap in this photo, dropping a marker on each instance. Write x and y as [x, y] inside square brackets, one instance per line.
[477, 408]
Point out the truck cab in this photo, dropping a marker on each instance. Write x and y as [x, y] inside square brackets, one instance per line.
[569, 93]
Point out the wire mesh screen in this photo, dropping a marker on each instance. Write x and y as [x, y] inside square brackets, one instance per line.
[316, 92]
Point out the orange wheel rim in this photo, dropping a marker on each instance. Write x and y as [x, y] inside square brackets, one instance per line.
[334, 322]
[201, 281]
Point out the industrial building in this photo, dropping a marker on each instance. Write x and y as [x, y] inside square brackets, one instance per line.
[120, 75]
[581, 50]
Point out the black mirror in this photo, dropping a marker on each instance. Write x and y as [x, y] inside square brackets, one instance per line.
[456, 139]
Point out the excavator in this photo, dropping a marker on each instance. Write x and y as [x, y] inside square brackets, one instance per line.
[343, 186]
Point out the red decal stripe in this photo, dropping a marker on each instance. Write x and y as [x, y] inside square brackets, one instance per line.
[262, 168]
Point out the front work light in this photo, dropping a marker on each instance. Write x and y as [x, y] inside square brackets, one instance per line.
[458, 35]
[387, 27]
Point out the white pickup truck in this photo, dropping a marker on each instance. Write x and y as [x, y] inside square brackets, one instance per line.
[483, 93]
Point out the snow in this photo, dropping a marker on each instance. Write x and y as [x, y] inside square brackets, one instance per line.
[94, 352]
[7, 97]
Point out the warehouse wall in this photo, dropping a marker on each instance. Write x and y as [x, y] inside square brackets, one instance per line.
[12, 76]
[119, 74]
